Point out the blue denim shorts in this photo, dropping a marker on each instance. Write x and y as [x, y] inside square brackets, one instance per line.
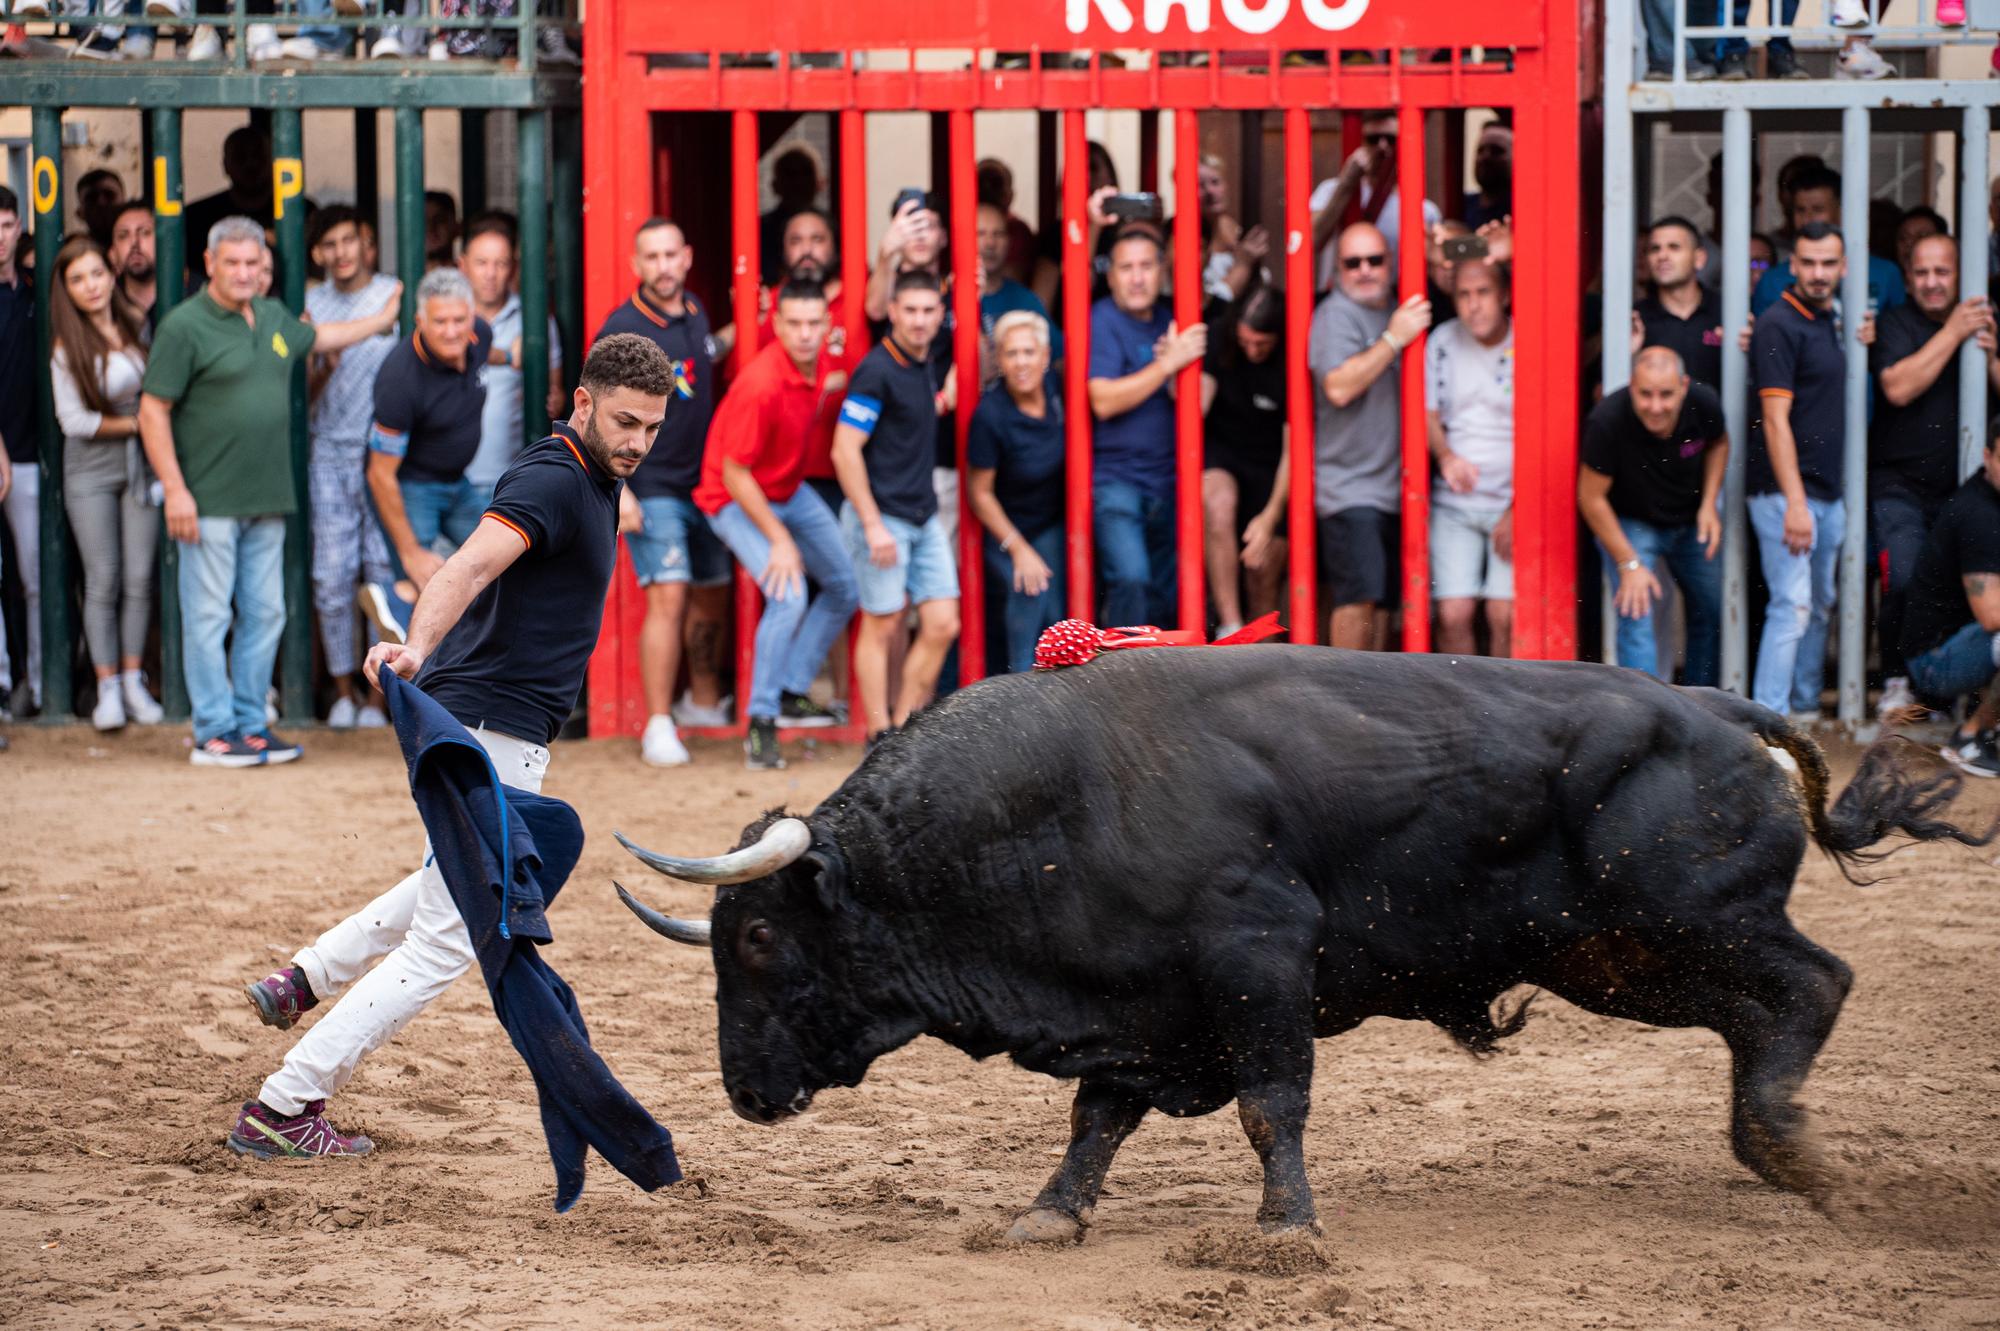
[677, 545]
[1961, 664]
[925, 567]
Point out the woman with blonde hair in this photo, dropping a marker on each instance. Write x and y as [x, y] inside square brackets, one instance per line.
[1015, 483]
[98, 362]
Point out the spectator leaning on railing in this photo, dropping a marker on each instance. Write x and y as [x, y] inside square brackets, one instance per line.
[220, 374]
[1653, 458]
[1356, 345]
[1951, 633]
[1913, 444]
[1015, 460]
[97, 362]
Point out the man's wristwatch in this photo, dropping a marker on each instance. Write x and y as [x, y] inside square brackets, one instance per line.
[1631, 566]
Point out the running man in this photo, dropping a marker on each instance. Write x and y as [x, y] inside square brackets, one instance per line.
[500, 637]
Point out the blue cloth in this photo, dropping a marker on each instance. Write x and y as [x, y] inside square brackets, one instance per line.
[1791, 656]
[232, 589]
[1134, 532]
[505, 854]
[1885, 285]
[1700, 581]
[793, 635]
[1135, 447]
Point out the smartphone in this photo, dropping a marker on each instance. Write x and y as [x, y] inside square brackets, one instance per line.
[1458, 249]
[1134, 207]
[907, 195]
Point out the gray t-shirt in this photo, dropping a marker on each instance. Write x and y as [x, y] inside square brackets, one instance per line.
[1357, 449]
[1471, 388]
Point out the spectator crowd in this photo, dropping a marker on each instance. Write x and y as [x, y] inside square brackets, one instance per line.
[825, 465]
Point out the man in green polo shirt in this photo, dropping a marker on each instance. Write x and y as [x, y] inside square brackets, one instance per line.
[214, 418]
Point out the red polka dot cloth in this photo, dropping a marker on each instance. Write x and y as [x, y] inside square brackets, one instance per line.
[1073, 642]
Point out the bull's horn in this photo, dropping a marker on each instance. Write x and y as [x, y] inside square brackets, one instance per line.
[694, 932]
[782, 842]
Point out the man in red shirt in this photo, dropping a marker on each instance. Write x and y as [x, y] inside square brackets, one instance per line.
[809, 256]
[752, 489]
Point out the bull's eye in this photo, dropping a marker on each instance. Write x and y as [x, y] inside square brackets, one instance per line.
[758, 935]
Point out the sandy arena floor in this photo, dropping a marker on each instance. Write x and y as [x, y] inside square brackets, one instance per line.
[1582, 1178]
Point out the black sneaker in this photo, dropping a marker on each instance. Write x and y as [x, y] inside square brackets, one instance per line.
[275, 750]
[760, 746]
[1976, 754]
[1734, 66]
[1782, 62]
[801, 712]
[230, 750]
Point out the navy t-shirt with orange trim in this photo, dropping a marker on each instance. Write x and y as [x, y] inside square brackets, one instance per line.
[1796, 354]
[673, 468]
[427, 411]
[516, 659]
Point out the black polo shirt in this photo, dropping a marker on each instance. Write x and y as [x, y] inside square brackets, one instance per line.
[673, 468]
[1698, 338]
[429, 409]
[892, 399]
[516, 659]
[1914, 446]
[1245, 425]
[1965, 540]
[1027, 455]
[1796, 354]
[1653, 480]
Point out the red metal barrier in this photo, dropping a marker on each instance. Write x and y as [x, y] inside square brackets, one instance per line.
[631, 86]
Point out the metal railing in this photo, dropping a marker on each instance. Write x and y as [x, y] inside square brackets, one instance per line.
[1924, 34]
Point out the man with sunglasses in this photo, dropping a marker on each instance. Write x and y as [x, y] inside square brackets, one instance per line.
[1356, 342]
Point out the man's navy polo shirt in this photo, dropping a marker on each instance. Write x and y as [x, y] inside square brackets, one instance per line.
[1136, 446]
[515, 661]
[433, 410]
[1796, 354]
[892, 399]
[673, 468]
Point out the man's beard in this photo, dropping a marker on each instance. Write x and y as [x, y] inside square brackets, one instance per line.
[808, 270]
[138, 268]
[600, 451]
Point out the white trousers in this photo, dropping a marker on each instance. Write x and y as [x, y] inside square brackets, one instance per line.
[415, 930]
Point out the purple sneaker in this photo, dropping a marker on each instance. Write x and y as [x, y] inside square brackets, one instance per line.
[282, 997]
[267, 1134]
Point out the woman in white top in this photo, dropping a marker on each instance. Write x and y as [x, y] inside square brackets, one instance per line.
[98, 362]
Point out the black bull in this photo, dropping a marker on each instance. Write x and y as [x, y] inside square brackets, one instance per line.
[1166, 872]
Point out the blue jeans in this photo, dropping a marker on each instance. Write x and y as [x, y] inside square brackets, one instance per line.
[450, 509]
[792, 636]
[1736, 12]
[238, 562]
[1023, 615]
[1966, 662]
[1791, 657]
[338, 40]
[1136, 570]
[1700, 581]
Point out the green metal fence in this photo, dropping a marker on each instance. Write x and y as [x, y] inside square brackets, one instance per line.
[550, 235]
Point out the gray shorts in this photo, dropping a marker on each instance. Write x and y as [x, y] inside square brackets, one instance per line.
[1463, 561]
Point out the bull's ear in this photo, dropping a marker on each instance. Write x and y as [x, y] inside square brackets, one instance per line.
[829, 871]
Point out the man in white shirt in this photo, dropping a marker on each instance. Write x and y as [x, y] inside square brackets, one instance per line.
[487, 259]
[1469, 407]
[1369, 176]
[346, 541]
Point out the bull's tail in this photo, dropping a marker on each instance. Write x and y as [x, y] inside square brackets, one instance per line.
[1900, 786]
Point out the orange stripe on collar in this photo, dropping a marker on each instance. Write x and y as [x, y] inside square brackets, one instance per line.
[647, 310]
[1800, 307]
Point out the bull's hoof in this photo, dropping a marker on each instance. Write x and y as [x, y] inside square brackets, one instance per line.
[1279, 1226]
[1043, 1225]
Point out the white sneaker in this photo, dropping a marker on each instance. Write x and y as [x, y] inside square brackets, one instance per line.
[1896, 695]
[1862, 62]
[271, 700]
[303, 48]
[660, 746]
[352, 8]
[696, 717]
[109, 714]
[388, 47]
[370, 717]
[206, 44]
[137, 45]
[139, 704]
[166, 8]
[439, 50]
[341, 716]
[33, 9]
[262, 39]
[1850, 14]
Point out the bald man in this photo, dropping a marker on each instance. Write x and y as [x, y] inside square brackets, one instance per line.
[1653, 457]
[1356, 342]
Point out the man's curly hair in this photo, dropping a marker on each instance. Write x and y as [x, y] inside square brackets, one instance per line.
[626, 360]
